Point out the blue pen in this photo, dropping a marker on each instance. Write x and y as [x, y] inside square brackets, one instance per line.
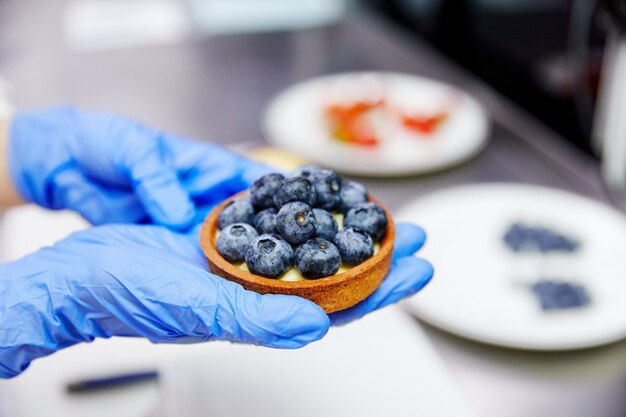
[111, 382]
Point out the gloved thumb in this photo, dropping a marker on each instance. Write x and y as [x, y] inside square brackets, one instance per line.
[157, 186]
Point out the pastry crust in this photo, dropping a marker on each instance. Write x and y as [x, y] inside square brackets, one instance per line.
[333, 293]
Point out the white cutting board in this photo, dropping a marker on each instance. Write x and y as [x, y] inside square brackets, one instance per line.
[382, 365]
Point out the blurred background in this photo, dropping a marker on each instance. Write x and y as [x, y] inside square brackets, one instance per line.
[498, 125]
[545, 55]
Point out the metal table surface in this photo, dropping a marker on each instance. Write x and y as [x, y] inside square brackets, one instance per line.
[215, 89]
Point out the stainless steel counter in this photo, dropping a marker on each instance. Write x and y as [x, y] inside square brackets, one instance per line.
[215, 89]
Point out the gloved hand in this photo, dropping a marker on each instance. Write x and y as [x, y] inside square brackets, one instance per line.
[112, 170]
[129, 280]
[408, 275]
[133, 280]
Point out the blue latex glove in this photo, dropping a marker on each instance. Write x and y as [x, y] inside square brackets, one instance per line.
[408, 275]
[112, 170]
[147, 281]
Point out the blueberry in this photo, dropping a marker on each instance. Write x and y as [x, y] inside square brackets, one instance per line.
[295, 189]
[520, 237]
[269, 256]
[305, 171]
[263, 190]
[265, 221]
[237, 211]
[295, 222]
[325, 224]
[369, 218]
[352, 193]
[354, 245]
[328, 186]
[234, 241]
[557, 295]
[317, 258]
[514, 237]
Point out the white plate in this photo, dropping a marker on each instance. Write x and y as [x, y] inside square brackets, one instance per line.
[481, 289]
[295, 120]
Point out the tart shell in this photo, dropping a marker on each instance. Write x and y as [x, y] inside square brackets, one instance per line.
[333, 293]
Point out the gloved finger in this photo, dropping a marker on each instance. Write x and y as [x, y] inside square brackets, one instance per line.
[277, 321]
[409, 239]
[158, 188]
[408, 276]
[96, 204]
[192, 307]
[211, 173]
[211, 184]
[186, 245]
[202, 211]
